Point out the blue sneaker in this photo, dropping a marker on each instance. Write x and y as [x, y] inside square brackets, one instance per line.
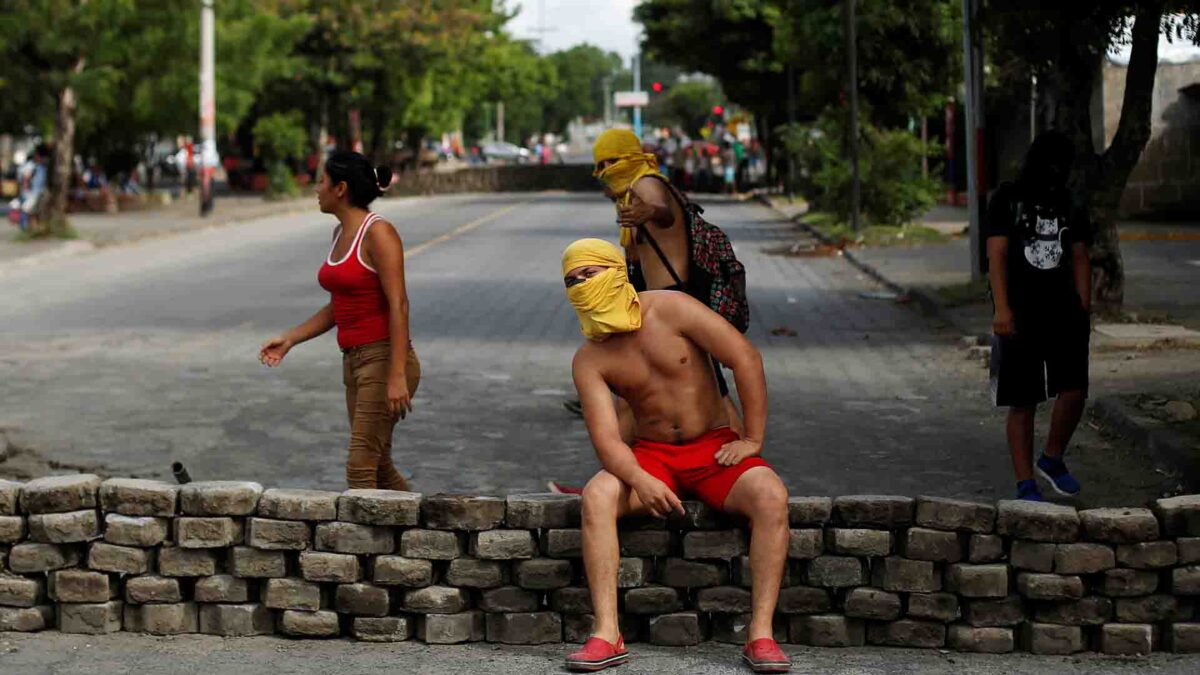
[1029, 491]
[1055, 471]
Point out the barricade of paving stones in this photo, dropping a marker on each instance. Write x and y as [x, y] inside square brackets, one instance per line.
[85, 555]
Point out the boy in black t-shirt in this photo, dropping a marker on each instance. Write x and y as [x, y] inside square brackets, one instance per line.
[1041, 284]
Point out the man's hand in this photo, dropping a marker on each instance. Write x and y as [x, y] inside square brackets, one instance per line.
[657, 497]
[735, 451]
[1003, 323]
[399, 398]
[272, 351]
[635, 214]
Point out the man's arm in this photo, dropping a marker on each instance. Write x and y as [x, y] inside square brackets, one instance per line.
[651, 203]
[600, 414]
[1081, 265]
[1003, 323]
[712, 333]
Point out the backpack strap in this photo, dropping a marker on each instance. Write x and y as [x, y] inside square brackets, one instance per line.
[661, 256]
[687, 214]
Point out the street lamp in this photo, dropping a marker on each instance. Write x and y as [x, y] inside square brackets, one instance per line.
[208, 107]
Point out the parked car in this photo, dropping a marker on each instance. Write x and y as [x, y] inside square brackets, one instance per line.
[508, 153]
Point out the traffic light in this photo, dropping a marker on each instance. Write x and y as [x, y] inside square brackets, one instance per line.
[657, 87]
[718, 110]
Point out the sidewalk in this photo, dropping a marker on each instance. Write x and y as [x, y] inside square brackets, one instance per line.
[106, 229]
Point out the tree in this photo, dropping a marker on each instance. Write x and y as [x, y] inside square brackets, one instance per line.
[581, 73]
[686, 104]
[1065, 48]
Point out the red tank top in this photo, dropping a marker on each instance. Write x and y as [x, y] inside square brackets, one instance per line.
[360, 308]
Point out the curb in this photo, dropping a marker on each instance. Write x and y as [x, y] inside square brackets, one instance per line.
[1168, 448]
[925, 302]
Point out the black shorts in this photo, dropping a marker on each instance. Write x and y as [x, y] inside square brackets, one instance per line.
[1026, 369]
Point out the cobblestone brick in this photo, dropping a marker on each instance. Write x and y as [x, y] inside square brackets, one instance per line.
[571, 600]
[827, 630]
[1037, 586]
[278, 535]
[933, 606]
[291, 593]
[1189, 550]
[1154, 608]
[21, 591]
[64, 528]
[436, 600]
[644, 543]
[380, 507]
[29, 558]
[449, 629]
[253, 563]
[139, 497]
[431, 544]
[681, 629]
[806, 544]
[1032, 555]
[1089, 611]
[920, 543]
[985, 548]
[503, 544]
[383, 628]
[1128, 583]
[743, 573]
[1009, 611]
[123, 559]
[1125, 639]
[1119, 526]
[1083, 558]
[714, 544]
[98, 618]
[938, 513]
[977, 581]
[60, 494]
[221, 588]
[829, 571]
[1186, 580]
[169, 619]
[543, 574]
[564, 543]
[1180, 516]
[873, 511]
[652, 600]
[207, 532]
[80, 586]
[1051, 639]
[219, 498]
[456, 512]
[509, 599]
[472, 573]
[524, 628]
[803, 600]
[394, 570]
[1183, 638]
[1148, 555]
[907, 633]
[809, 511]
[239, 620]
[144, 531]
[26, 619]
[983, 640]
[633, 572]
[902, 574]
[12, 529]
[287, 504]
[10, 497]
[361, 600]
[340, 568]
[1037, 521]
[150, 590]
[872, 603]
[858, 542]
[698, 516]
[354, 538]
[542, 511]
[724, 599]
[320, 624]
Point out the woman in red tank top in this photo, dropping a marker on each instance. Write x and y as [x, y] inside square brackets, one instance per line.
[364, 274]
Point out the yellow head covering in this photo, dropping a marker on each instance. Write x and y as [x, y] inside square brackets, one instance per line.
[606, 303]
[631, 165]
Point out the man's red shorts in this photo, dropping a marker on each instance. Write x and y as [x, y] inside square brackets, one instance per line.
[693, 466]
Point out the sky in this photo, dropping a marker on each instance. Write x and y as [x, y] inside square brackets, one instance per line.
[606, 23]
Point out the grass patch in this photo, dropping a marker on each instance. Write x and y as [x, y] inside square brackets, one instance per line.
[873, 235]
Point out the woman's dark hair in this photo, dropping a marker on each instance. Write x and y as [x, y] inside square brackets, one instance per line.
[365, 182]
[1048, 161]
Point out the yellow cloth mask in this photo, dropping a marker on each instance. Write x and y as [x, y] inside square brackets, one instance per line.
[606, 303]
[630, 166]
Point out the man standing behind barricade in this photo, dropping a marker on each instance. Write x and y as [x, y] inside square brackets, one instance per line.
[653, 349]
[654, 226]
[1041, 278]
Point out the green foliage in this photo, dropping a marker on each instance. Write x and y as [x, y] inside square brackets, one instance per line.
[685, 104]
[280, 137]
[581, 72]
[892, 190]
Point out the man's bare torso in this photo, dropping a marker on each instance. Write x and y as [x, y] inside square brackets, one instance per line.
[666, 379]
[672, 240]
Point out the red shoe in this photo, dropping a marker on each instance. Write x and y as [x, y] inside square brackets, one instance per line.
[598, 654]
[561, 489]
[764, 656]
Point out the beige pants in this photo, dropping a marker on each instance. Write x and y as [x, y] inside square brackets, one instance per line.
[365, 373]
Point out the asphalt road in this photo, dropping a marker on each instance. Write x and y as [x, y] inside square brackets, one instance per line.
[126, 359]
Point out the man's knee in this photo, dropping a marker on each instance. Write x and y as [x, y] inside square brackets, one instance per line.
[768, 497]
[601, 495]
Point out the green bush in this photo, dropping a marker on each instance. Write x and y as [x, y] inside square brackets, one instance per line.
[892, 191]
[280, 136]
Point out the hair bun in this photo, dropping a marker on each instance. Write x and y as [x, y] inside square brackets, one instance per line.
[383, 177]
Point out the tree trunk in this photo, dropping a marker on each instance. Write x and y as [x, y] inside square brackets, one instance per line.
[53, 217]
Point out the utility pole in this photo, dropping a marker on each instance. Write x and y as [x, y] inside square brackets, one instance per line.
[608, 115]
[973, 105]
[852, 132]
[500, 122]
[208, 107]
[791, 113]
[637, 86]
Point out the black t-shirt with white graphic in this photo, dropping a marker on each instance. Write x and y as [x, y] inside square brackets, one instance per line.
[1041, 229]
